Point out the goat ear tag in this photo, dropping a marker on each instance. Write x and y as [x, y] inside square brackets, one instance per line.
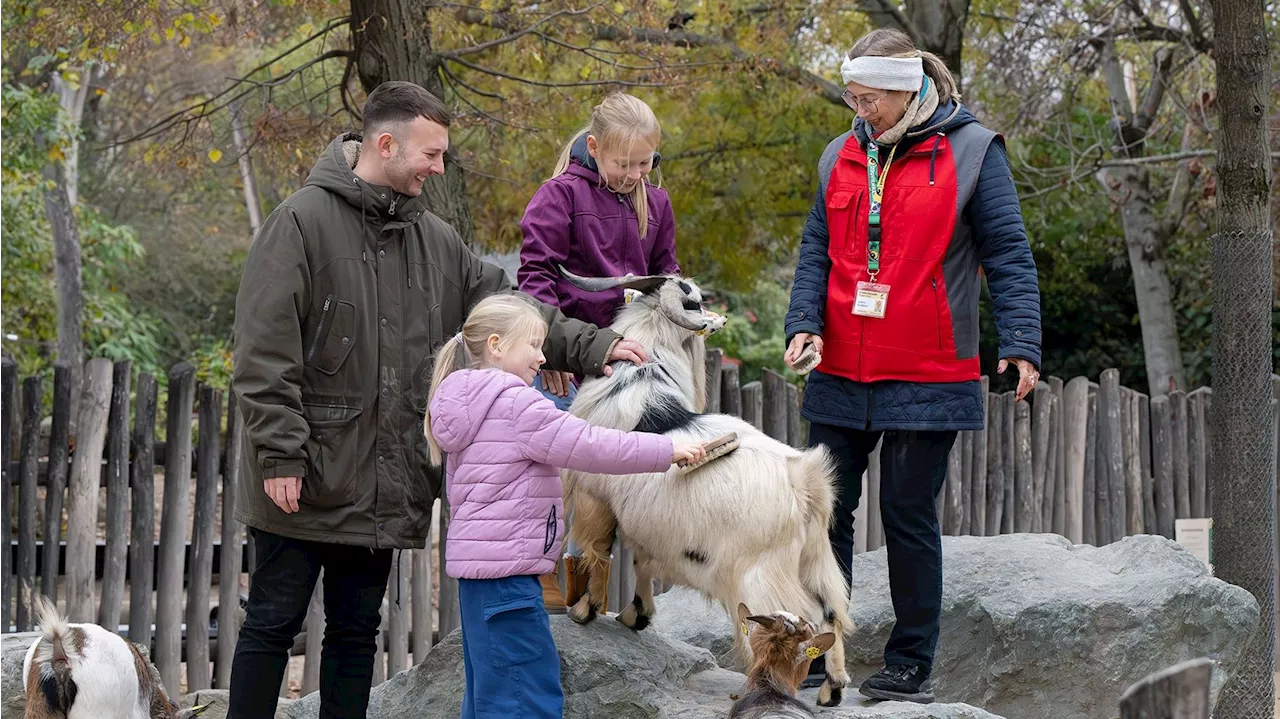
[812, 652]
[629, 295]
[871, 300]
[744, 629]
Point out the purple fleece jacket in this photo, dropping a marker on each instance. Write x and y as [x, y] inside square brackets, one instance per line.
[573, 220]
[506, 443]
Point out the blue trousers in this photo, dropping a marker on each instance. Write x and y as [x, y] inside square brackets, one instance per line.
[512, 667]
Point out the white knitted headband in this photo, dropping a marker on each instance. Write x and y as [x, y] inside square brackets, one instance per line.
[884, 73]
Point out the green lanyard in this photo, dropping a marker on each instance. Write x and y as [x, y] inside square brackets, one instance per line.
[875, 182]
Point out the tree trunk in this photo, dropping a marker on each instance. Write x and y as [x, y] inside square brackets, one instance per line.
[71, 96]
[246, 168]
[66, 274]
[392, 41]
[1144, 239]
[1241, 429]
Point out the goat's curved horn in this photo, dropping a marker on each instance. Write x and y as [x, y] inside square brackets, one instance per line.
[674, 311]
[643, 283]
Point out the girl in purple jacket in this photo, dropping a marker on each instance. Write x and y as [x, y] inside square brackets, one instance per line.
[598, 216]
[506, 445]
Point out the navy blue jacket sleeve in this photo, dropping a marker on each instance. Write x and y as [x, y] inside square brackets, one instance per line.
[1005, 254]
[809, 288]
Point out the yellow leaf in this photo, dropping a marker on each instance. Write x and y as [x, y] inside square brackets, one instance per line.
[619, 8]
[169, 33]
[55, 154]
[215, 154]
[298, 151]
[44, 12]
[185, 42]
[585, 72]
[306, 29]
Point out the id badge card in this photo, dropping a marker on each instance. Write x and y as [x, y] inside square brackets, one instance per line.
[871, 299]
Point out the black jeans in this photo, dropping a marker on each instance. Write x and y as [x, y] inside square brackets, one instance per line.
[913, 467]
[355, 580]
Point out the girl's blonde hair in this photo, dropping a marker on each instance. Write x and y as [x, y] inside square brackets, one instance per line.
[619, 120]
[888, 42]
[512, 316]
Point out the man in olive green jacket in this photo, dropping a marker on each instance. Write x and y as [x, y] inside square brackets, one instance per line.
[348, 290]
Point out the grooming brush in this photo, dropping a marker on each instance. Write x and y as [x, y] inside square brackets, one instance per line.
[808, 359]
[716, 448]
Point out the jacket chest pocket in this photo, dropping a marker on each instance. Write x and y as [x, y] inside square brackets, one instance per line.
[918, 221]
[334, 336]
[847, 221]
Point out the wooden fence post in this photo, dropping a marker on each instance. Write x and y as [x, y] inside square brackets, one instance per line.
[1179, 411]
[1197, 450]
[995, 465]
[775, 405]
[1075, 408]
[875, 522]
[1162, 464]
[32, 395]
[795, 433]
[1089, 492]
[56, 483]
[421, 602]
[314, 644]
[753, 404]
[200, 569]
[173, 523]
[978, 468]
[1179, 692]
[82, 497]
[117, 550]
[1059, 455]
[965, 497]
[229, 568]
[730, 391]
[714, 359]
[1132, 462]
[9, 382]
[1041, 408]
[953, 512]
[1144, 455]
[1024, 483]
[1009, 461]
[1052, 496]
[1112, 445]
[450, 616]
[142, 519]
[398, 616]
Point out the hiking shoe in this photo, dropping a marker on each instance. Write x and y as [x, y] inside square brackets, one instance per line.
[817, 673]
[899, 682]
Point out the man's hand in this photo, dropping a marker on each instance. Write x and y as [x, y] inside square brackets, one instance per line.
[556, 382]
[284, 492]
[1028, 375]
[628, 350]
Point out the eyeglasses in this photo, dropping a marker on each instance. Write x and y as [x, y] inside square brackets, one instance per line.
[856, 102]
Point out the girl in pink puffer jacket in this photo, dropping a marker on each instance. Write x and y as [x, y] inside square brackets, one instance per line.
[506, 444]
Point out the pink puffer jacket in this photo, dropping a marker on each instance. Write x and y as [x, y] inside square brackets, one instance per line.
[505, 445]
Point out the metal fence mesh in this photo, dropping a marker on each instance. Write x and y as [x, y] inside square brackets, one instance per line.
[1243, 451]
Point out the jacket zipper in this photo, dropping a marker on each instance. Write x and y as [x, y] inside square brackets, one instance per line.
[322, 330]
[937, 310]
[392, 210]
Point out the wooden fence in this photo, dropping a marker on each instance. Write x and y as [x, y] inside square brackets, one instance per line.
[1092, 461]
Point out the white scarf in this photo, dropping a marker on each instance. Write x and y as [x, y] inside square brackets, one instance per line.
[919, 109]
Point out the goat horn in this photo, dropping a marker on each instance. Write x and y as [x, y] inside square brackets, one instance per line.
[643, 283]
[674, 311]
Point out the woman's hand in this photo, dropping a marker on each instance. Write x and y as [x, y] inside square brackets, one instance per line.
[691, 453]
[556, 382]
[1028, 375]
[797, 346]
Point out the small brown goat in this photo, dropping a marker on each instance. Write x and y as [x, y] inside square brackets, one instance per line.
[782, 646]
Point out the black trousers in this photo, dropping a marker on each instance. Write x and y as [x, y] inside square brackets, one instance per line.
[355, 580]
[913, 467]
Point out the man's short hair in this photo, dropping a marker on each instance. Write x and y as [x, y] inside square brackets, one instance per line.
[397, 102]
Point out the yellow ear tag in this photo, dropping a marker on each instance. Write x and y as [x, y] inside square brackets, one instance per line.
[744, 629]
[812, 652]
[629, 295]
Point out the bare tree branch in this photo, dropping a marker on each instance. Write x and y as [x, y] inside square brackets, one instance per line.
[542, 83]
[1154, 95]
[516, 35]
[678, 38]
[884, 13]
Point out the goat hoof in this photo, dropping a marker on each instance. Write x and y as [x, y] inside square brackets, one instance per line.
[584, 612]
[632, 618]
[830, 695]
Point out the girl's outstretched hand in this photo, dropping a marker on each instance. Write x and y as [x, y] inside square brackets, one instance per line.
[691, 452]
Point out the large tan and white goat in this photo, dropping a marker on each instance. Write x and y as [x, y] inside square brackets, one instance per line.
[750, 527]
[82, 671]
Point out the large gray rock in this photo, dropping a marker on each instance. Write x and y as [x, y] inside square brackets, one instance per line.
[1035, 627]
[13, 692]
[608, 671]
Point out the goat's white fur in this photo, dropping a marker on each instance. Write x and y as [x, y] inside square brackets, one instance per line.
[103, 668]
[759, 515]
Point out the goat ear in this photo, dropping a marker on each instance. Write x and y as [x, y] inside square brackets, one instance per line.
[763, 620]
[819, 645]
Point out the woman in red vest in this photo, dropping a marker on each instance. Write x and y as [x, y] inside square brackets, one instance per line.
[912, 204]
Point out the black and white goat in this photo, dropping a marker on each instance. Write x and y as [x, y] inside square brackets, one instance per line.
[750, 527]
[82, 671]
